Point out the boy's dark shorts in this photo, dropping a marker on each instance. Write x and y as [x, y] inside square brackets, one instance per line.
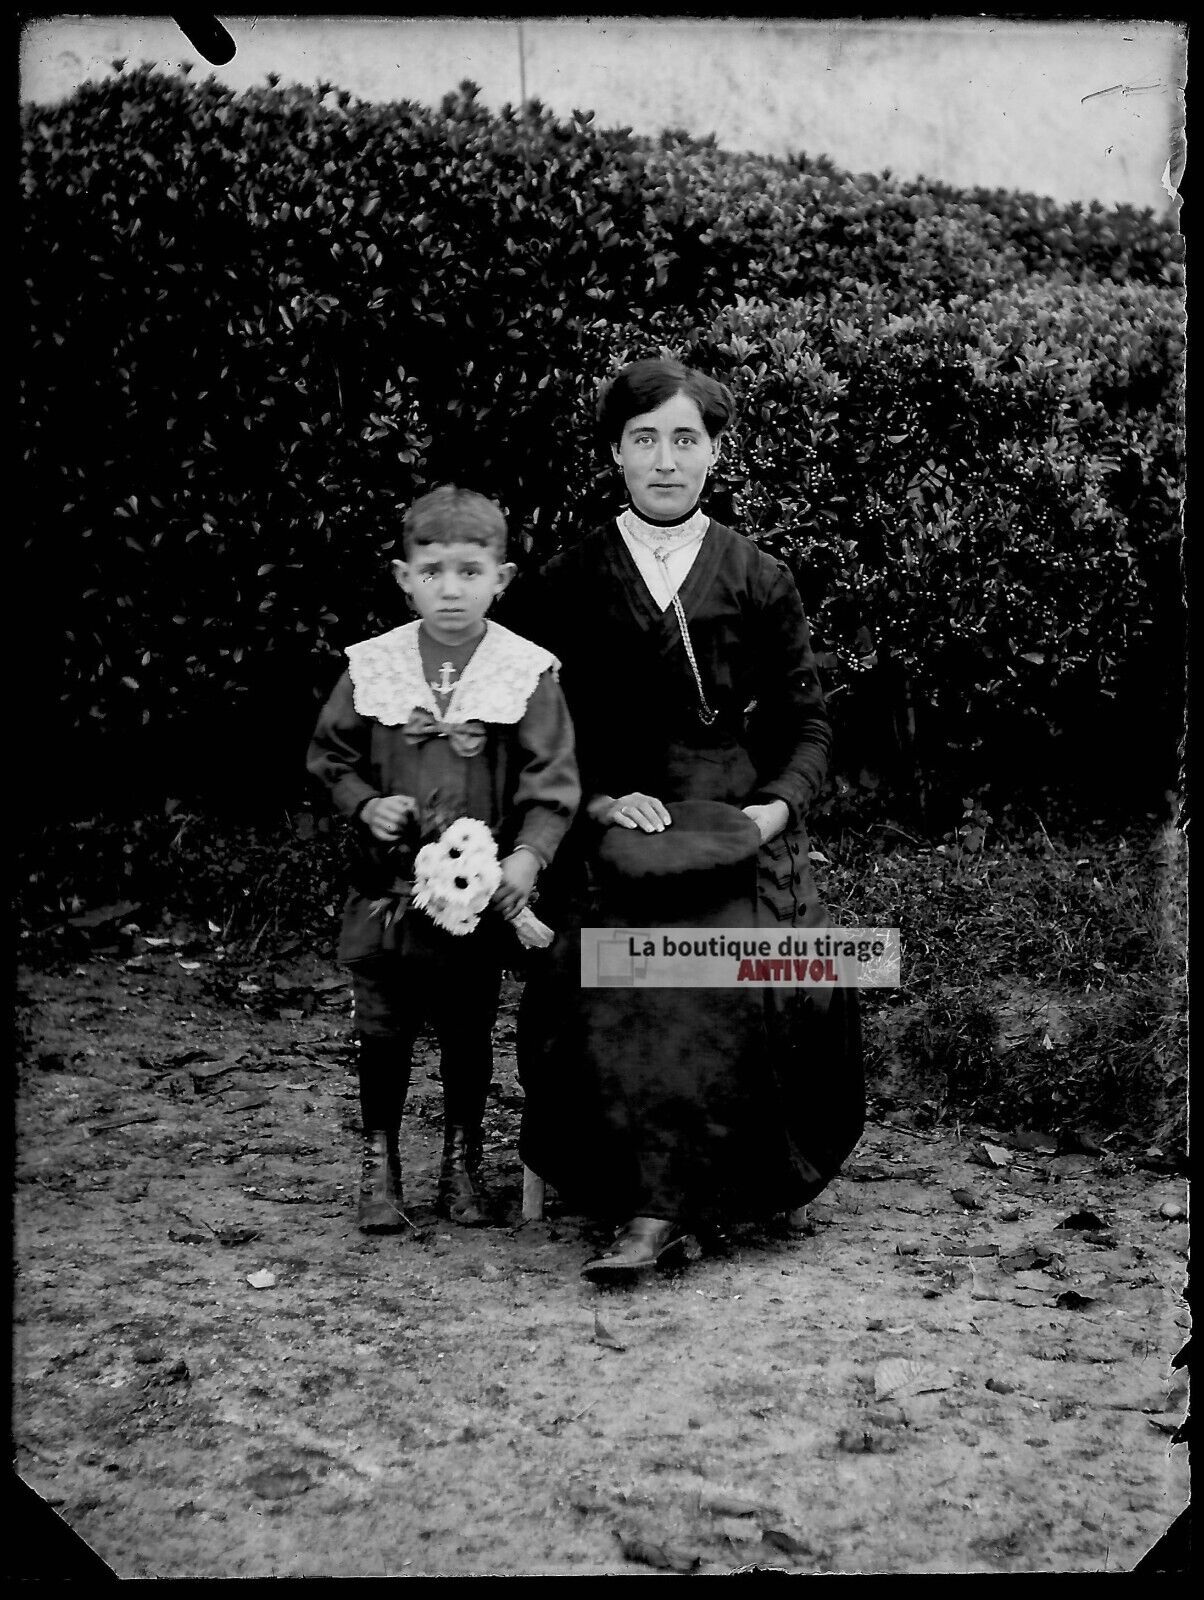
[450, 978]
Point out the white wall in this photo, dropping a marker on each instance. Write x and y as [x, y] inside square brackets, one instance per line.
[1079, 110]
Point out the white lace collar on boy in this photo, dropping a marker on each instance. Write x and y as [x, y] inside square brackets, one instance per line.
[387, 680]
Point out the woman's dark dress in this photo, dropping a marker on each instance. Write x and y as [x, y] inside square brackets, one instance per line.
[684, 1103]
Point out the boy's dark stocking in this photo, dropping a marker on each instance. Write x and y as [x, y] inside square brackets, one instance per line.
[465, 1029]
[384, 1075]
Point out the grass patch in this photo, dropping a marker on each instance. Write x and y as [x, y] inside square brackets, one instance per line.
[1044, 977]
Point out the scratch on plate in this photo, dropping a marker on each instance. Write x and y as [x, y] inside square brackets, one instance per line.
[1121, 88]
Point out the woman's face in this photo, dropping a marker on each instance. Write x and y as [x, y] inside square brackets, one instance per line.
[665, 456]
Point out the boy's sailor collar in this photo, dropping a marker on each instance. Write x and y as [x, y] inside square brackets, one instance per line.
[387, 680]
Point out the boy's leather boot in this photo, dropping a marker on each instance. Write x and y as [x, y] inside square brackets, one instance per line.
[461, 1197]
[384, 1076]
[380, 1185]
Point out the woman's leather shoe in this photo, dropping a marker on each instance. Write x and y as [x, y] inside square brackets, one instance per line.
[638, 1247]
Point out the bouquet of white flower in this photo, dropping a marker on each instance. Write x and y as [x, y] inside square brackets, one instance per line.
[456, 876]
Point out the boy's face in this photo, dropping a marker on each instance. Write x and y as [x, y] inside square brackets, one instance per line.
[665, 456]
[451, 586]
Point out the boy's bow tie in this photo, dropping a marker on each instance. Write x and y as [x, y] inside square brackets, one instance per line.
[465, 738]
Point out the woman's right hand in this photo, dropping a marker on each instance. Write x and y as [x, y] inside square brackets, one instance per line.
[634, 810]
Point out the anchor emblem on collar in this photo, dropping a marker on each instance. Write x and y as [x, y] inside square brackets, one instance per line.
[443, 683]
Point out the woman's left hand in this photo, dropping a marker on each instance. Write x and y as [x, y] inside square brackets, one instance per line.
[771, 818]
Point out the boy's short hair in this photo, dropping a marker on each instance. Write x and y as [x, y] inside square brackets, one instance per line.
[449, 515]
[647, 384]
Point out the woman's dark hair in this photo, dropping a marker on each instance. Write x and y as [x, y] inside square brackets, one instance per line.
[644, 385]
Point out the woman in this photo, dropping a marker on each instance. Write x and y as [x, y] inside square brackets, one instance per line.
[688, 671]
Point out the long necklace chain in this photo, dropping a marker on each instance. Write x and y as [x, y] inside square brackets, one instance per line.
[705, 715]
[660, 554]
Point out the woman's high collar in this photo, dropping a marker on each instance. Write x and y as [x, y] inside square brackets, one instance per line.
[679, 527]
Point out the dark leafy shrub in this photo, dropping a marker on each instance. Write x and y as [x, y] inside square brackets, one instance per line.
[982, 503]
[258, 324]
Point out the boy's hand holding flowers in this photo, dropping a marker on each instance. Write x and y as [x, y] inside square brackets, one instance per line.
[519, 872]
[386, 816]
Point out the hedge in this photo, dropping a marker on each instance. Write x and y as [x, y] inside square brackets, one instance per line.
[258, 324]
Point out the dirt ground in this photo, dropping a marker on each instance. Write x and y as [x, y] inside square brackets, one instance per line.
[961, 1365]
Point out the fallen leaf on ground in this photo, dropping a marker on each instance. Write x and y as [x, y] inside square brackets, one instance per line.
[1072, 1300]
[1046, 1349]
[984, 1282]
[603, 1335]
[1025, 1260]
[898, 1376]
[1028, 1296]
[1026, 1182]
[233, 1234]
[124, 1122]
[588, 1503]
[90, 921]
[1064, 1407]
[278, 1483]
[730, 1505]
[1070, 1164]
[263, 1279]
[989, 1155]
[783, 1539]
[1083, 1221]
[246, 1102]
[210, 1071]
[855, 1441]
[1031, 1140]
[1087, 1141]
[666, 1557]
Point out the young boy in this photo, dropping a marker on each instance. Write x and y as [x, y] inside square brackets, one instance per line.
[446, 717]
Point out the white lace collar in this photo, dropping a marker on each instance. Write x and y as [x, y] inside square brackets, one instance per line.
[652, 535]
[387, 680]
